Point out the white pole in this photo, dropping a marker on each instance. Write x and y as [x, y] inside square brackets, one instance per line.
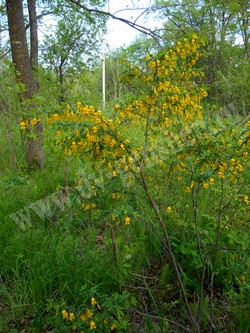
[103, 73]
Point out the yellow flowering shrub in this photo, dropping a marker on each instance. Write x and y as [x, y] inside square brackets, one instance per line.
[190, 168]
[164, 129]
[171, 98]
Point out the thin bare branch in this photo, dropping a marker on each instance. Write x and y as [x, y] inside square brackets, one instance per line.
[160, 318]
[133, 25]
[40, 16]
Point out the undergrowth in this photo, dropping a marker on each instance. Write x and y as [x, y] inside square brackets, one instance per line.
[140, 219]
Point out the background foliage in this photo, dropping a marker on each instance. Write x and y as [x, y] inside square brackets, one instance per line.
[140, 218]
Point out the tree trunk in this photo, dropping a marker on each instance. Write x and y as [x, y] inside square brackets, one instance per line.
[19, 47]
[23, 70]
[33, 34]
[33, 44]
[61, 82]
[244, 16]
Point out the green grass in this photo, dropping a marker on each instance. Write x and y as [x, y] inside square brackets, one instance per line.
[46, 267]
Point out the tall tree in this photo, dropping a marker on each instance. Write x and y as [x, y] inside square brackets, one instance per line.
[23, 70]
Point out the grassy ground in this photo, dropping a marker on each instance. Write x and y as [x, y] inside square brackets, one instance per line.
[71, 259]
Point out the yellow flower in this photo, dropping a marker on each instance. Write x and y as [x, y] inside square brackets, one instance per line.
[187, 189]
[22, 125]
[205, 185]
[34, 121]
[92, 325]
[113, 327]
[169, 209]
[83, 317]
[221, 174]
[245, 154]
[87, 206]
[127, 220]
[89, 313]
[55, 116]
[65, 314]
[93, 301]
[113, 195]
[246, 200]
[71, 316]
[211, 181]
[243, 279]
[239, 168]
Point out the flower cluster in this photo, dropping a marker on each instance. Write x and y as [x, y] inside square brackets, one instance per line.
[29, 122]
[90, 318]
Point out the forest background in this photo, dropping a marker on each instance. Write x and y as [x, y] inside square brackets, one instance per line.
[130, 213]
